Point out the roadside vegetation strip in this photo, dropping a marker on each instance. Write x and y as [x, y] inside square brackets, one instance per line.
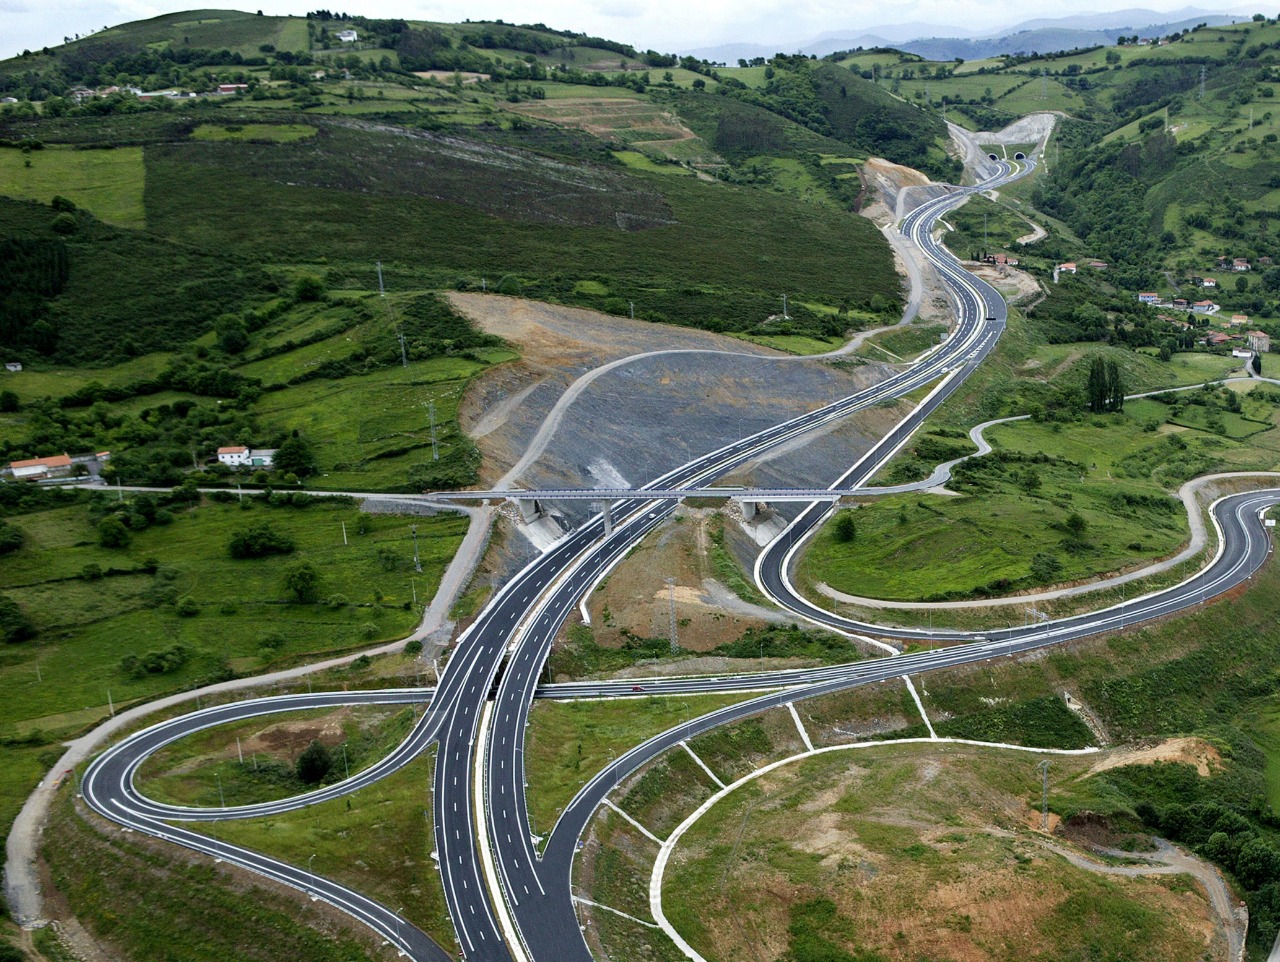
[393, 821]
[111, 882]
[567, 743]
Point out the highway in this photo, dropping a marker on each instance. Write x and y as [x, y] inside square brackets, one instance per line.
[507, 900]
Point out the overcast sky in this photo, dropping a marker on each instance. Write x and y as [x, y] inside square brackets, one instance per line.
[666, 25]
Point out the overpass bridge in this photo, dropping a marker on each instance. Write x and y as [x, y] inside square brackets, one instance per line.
[530, 501]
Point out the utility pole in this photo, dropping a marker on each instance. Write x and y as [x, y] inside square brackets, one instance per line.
[344, 533]
[633, 309]
[785, 315]
[672, 626]
[417, 564]
[382, 291]
[404, 355]
[1201, 82]
[435, 445]
[1044, 795]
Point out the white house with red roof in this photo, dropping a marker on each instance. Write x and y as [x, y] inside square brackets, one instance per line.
[34, 469]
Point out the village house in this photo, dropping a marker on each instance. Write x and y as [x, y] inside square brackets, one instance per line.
[1181, 304]
[1265, 261]
[348, 36]
[1240, 265]
[1204, 307]
[13, 367]
[1259, 342]
[1208, 282]
[1098, 265]
[1149, 297]
[239, 456]
[1219, 338]
[37, 469]
[1067, 268]
[232, 88]
[1239, 320]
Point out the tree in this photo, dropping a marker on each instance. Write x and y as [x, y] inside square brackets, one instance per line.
[295, 457]
[65, 224]
[233, 337]
[303, 582]
[314, 763]
[9, 402]
[15, 626]
[845, 528]
[1242, 284]
[112, 533]
[1075, 524]
[1115, 387]
[1096, 390]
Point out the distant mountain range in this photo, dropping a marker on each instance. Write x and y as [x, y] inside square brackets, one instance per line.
[934, 42]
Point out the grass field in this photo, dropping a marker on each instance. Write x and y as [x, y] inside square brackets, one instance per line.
[87, 626]
[276, 133]
[107, 183]
[253, 761]
[1115, 471]
[823, 857]
[393, 823]
[371, 429]
[569, 742]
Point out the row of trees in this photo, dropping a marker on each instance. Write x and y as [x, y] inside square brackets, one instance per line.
[1105, 388]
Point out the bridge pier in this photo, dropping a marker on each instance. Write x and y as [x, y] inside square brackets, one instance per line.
[530, 509]
[750, 508]
[606, 512]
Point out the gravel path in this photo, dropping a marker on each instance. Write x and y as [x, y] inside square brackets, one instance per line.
[1168, 860]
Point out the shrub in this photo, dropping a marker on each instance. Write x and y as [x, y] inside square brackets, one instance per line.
[15, 626]
[91, 572]
[11, 538]
[112, 533]
[413, 648]
[258, 541]
[313, 764]
[65, 224]
[155, 662]
[187, 607]
[846, 528]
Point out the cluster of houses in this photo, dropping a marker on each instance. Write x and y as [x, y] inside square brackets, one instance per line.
[56, 466]
[1243, 345]
[1179, 304]
[82, 94]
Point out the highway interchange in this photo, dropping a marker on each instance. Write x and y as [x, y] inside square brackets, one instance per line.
[509, 894]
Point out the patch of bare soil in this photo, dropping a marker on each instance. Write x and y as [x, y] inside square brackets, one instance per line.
[887, 181]
[1196, 752]
[1016, 285]
[929, 855]
[636, 600]
[287, 738]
